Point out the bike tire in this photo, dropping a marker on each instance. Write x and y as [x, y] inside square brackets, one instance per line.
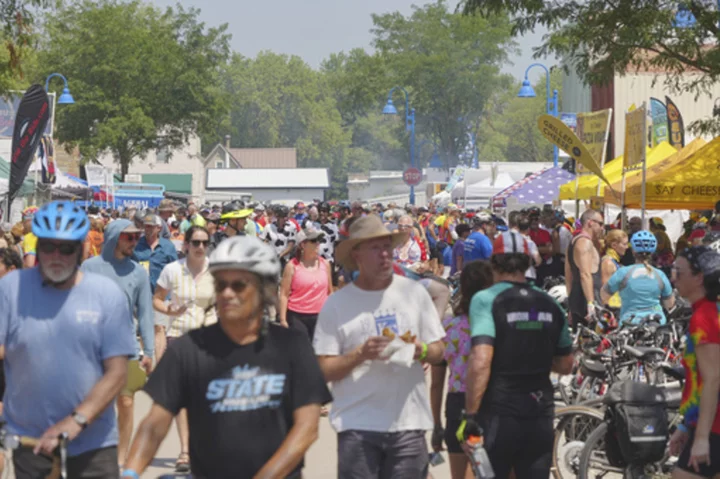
[591, 444]
[564, 416]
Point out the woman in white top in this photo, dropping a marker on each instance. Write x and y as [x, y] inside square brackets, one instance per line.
[409, 254]
[192, 306]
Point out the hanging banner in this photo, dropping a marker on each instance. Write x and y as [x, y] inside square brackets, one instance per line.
[32, 116]
[559, 134]
[675, 124]
[46, 153]
[635, 137]
[456, 177]
[592, 129]
[96, 175]
[9, 106]
[658, 113]
[570, 119]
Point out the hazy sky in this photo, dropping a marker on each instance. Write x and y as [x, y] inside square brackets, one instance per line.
[313, 29]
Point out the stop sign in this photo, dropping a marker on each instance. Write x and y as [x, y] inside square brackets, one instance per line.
[412, 176]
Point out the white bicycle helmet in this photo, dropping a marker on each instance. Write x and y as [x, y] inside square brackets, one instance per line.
[246, 253]
[559, 293]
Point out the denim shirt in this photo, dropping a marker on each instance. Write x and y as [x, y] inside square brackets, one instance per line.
[154, 260]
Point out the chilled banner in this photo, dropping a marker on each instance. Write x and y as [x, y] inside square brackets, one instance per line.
[635, 136]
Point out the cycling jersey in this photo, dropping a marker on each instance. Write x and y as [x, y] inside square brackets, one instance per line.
[240, 400]
[29, 244]
[329, 240]
[640, 292]
[527, 329]
[279, 238]
[704, 329]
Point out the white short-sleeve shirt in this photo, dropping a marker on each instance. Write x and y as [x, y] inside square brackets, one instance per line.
[378, 396]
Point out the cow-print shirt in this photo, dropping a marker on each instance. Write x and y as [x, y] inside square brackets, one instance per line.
[328, 242]
[279, 238]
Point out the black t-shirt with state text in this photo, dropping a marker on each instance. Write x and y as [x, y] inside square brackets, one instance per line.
[240, 399]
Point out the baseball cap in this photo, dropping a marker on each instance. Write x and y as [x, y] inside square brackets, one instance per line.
[511, 242]
[152, 220]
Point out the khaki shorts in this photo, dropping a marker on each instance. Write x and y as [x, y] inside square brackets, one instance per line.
[135, 379]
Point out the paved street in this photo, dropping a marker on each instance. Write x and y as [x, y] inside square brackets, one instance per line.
[320, 463]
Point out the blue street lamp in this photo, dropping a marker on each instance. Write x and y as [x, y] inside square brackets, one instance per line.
[435, 161]
[390, 109]
[551, 105]
[66, 98]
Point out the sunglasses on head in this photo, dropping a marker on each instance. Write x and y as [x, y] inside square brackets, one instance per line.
[65, 249]
[236, 286]
[130, 236]
[197, 243]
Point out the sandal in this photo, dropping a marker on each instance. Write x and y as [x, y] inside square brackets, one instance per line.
[182, 465]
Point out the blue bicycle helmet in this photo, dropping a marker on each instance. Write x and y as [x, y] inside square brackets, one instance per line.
[61, 220]
[643, 242]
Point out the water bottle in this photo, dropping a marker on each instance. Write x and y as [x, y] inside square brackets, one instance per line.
[641, 373]
[479, 460]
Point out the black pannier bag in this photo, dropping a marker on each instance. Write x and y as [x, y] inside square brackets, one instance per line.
[637, 421]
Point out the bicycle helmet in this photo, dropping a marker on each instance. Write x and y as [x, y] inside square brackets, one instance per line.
[235, 205]
[246, 253]
[61, 220]
[482, 218]
[559, 293]
[712, 240]
[324, 206]
[231, 215]
[643, 242]
[281, 210]
[29, 212]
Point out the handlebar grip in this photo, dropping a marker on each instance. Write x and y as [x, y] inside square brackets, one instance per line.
[28, 441]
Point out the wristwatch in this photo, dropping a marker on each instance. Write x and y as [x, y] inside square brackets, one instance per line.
[80, 419]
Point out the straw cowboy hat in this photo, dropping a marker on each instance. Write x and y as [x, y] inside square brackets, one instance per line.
[364, 229]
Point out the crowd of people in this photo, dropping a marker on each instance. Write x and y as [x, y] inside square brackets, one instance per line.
[238, 320]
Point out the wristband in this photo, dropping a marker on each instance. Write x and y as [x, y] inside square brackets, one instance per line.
[130, 473]
[423, 354]
[682, 428]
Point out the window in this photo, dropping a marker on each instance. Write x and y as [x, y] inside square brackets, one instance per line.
[219, 164]
[163, 155]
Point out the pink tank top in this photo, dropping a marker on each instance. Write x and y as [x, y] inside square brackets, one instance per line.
[309, 288]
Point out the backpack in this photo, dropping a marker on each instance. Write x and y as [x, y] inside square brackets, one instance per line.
[637, 421]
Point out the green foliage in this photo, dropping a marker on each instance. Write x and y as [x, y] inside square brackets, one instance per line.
[17, 35]
[142, 78]
[599, 38]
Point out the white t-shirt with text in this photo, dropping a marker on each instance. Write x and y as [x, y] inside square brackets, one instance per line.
[378, 396]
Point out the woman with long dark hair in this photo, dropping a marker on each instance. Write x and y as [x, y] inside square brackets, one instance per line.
[475, 276]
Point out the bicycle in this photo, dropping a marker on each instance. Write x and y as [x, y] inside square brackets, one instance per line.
[11, 442]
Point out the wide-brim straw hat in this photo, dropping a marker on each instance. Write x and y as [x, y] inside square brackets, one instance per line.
[364, 229]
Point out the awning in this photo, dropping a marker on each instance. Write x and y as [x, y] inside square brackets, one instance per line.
[173, 182]
[588, 185]
[537, 189]
[28, 186]
[687, 180]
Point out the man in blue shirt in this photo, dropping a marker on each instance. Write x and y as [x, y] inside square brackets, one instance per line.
[479, 244]
[67, 337]
[152, 251]
[121, 236]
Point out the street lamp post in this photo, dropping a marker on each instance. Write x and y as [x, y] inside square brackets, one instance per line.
[551, 105]
[390, 109]
[66, 98]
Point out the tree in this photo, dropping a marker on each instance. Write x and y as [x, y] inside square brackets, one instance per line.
[142, 78]
[450, 64]
[17, 20]
[280, 101]
[599, 38]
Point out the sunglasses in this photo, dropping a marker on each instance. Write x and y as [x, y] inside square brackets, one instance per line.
[197, 243]
[65, 249]
[236, 286]
[130, 236]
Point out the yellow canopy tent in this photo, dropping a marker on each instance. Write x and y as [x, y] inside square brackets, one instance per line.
[587, 186]
[633, 183]
[690, 184]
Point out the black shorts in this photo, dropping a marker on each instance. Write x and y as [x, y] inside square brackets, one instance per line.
[96, 464]
[705, 469]
[303, 322]
[524, 445]
[454, 405]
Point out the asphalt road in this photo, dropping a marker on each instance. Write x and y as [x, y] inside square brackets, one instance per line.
[320, 462]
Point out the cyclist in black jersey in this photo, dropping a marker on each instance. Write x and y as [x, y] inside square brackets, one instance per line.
[519, 335]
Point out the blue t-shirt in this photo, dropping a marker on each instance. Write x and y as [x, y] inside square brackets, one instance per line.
[458, 251]
[154, 260]
[55, 344]
[477, 246]
[642, 294]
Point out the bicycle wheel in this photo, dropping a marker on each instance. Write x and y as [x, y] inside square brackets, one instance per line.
[593, 462]
[573, 424]
[589, 389]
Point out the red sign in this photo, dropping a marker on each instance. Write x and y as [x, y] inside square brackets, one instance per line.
[412, 176]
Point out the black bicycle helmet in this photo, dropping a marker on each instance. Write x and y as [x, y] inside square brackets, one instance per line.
[281, 210]
[324, 206]
[235, 205]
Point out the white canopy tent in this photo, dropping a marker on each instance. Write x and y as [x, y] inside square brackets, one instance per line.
[477, 194]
